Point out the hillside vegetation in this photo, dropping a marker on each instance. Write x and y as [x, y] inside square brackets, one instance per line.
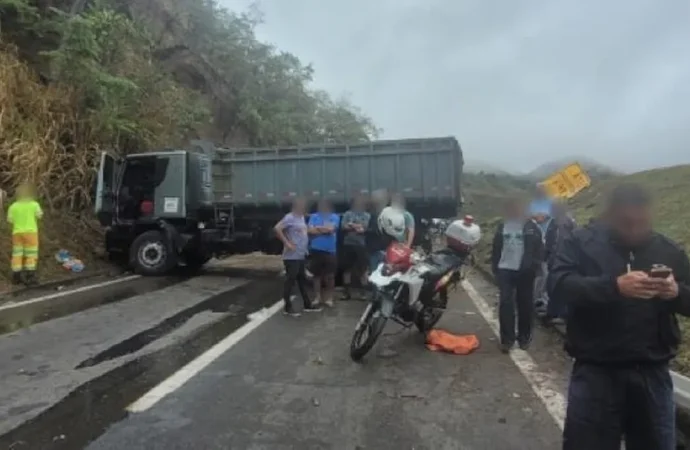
[486, 193]
[74, 85]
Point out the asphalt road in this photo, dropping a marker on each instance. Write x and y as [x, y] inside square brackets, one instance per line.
[287, 383]
[291, 385]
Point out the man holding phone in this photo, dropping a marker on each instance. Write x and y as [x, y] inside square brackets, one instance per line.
[623, 284]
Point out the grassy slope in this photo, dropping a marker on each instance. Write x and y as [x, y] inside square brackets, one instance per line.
[82, 238]
[671, 189]
[485, 193]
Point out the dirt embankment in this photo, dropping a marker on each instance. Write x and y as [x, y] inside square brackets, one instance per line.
[82, 238]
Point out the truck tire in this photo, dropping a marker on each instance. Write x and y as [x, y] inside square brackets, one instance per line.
[151, 254]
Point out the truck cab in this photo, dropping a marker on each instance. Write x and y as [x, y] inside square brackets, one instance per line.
[158, 211]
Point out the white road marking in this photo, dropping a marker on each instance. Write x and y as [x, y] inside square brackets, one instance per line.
[541, 383]
[179, 378]
[69, 292]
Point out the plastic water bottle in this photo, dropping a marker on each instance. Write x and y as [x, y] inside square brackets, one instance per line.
[62, 256]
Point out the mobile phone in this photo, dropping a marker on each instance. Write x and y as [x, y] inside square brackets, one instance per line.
[660, 271]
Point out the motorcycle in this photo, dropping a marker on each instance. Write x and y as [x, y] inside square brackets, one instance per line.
[434, 231]
[408, 288]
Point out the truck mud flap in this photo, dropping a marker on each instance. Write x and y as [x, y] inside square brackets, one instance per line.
[175, 240]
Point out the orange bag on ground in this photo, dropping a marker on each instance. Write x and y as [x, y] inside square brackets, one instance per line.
[443, 341]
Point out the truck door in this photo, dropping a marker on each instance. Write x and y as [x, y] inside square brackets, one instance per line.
[106, 188]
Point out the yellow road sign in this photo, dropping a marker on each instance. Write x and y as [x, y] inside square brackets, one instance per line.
[557, 186]
[577, 177]
[566, 183]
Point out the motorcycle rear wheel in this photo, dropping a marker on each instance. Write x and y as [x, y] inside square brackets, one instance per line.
[372, 326]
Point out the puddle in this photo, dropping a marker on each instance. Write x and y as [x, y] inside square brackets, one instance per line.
[88, 411]
[224, 301]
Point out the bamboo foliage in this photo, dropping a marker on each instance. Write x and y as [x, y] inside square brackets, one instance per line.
[108, 90]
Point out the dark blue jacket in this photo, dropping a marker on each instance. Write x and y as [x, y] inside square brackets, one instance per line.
[603, 326]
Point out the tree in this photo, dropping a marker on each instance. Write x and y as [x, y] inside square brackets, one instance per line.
[108, 89]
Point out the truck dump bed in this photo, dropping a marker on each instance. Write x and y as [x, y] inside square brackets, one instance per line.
[420, 169]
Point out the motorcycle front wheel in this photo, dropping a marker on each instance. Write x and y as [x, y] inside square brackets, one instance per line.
[368, 330]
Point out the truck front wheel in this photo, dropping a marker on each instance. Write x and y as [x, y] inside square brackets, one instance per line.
[150, 254]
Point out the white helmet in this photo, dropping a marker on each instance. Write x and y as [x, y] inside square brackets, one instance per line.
[391, 221]
[463, 235]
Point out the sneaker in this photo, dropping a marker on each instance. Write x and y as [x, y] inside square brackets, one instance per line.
[329, 303]
[312, 308]
[289, 311]
[347, 295]
[524, 345]
[505, 348]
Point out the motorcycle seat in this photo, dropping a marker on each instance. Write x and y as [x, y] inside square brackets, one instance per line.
[443, 261]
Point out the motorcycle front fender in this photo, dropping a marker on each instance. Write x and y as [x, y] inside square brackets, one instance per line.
[379, 280]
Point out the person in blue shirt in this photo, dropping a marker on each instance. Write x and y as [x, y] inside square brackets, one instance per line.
[541, 203]
[323, 228]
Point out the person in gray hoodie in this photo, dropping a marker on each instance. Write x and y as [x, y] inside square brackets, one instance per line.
[516, 256]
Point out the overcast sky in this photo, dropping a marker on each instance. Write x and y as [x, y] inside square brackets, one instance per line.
[517, 82]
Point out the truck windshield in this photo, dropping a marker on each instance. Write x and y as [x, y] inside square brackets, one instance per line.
[147, 172]
[140, 179]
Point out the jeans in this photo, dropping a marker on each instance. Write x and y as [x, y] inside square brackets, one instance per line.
[516, 290]
[556, 307]
[540, 294]
[607, 404]
[295, 274]
[376, 258]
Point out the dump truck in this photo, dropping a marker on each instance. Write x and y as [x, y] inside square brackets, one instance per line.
[188, 205]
